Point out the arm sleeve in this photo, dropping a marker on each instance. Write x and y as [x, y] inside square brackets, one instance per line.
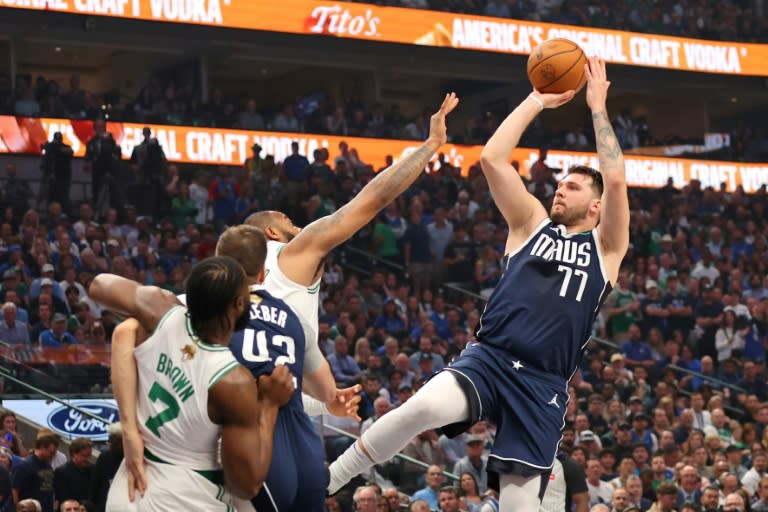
[313, 406]
[313, 357]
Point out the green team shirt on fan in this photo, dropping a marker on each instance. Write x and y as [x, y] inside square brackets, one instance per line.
[622, 321]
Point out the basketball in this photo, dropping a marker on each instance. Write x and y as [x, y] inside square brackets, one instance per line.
[556, 66]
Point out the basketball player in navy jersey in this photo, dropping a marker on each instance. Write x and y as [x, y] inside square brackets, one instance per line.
[557, 270]
[275, 337]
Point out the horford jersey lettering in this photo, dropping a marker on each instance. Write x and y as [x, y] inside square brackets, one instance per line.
[544, 306]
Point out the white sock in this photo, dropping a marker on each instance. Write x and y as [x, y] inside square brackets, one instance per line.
[350, 464]
[440, 402]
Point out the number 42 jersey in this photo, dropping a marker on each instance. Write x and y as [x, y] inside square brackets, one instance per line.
[545, 304]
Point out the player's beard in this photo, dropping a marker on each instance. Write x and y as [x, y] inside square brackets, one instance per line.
[568, 216]
[288, 235]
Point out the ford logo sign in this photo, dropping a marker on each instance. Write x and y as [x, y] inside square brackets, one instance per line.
[71, 423]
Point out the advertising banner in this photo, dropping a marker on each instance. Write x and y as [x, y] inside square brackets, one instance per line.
[68, 422]
[219, 146]
[428, 28]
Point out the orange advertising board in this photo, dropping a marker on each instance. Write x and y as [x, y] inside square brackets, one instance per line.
[429, 28]
[218, 146]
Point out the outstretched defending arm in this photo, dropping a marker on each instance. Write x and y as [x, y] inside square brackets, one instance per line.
[147, 304]
[301, 258]
[614, 215]
[520, 209]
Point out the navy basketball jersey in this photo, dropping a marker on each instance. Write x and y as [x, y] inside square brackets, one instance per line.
[274, 336]
[297, 478]
[543, 308]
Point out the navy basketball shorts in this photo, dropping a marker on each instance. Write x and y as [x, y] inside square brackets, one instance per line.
[297, 477]
[527, 406]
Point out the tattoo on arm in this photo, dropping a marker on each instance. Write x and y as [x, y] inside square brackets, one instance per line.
[608, 148]
[393, 181]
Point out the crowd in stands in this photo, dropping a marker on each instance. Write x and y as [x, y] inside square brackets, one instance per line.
[45, 479]
[692, 297]
[165, 102]
[725, 21]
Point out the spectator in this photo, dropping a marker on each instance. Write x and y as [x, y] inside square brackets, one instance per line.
[434, 480]
[449, 500]
[223, 193]
[734, 502]
[417, 254]
[690, 487]
[57, 336]
[345, 369]
[752, 478]
[474, 463]
[599, 491]
[366, 499]
[729, 339]
[621, 308]
[426, 348]
[13, 331]
[70, 506]
[666, 496]
[33, 477]
[636, 351]
[761, 505]
[102, 157]
[72, 480]
[16, 191]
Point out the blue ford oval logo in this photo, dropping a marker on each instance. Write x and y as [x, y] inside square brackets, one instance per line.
[72, 423]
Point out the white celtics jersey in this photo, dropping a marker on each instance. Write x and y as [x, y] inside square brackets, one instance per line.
[304, 300]
[554, 495]
[175, 374]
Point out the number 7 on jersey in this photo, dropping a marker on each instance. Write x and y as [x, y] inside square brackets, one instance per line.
[569, 272]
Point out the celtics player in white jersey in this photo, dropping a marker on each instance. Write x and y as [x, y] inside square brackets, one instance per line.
[193, 419]
[295, 256]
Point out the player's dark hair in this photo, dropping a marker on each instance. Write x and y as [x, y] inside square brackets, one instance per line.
[212, 286]
[597, 178]
[245, 244]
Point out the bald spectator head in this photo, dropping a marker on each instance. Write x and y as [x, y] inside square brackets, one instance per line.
[600, 508]
[734, 502]
[620, 499]
[690, 479]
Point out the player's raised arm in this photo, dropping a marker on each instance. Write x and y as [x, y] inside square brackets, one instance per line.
[147, 304]
[520, 209]
[614, 216]
[300, 259]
